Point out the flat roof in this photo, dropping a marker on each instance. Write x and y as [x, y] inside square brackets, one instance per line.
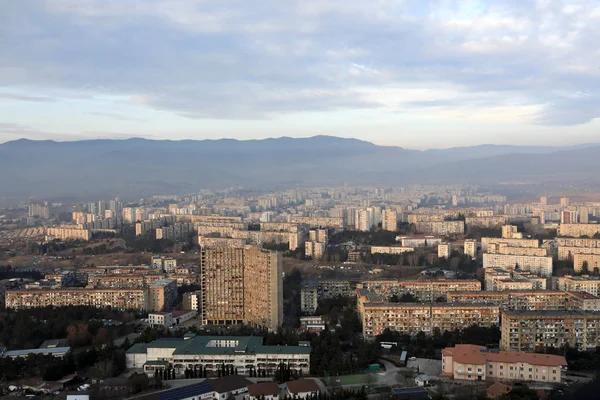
[19, 353]
[552, 313]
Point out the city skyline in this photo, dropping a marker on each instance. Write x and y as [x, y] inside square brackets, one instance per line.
[411, 74]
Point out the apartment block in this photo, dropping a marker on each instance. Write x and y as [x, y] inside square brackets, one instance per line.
[442, 228]
[443, 250]
[511, 232]
[592, 261]
[486, 222]
[219, 242]
[503, 248]
[470, 248]
[583, 301]
[389, 220]
[332, 288]
[516, 300]
[418, 241]
[412, 318]
[477, 363]
[74, 233]
[175, 232]
[485, 242]
[577, 242]
[39, 209]
[537, 265]
[584, 283]
[319, 222]
[391, 249]
[309, 298]
[162, 295]
[314, 250]
[536, 330]
[427, 290]
[578, 230]
[122, 281]
[241, 285]
[192, 300]
[136, 299]
[568, 252]
[416, 218]
[318, 235]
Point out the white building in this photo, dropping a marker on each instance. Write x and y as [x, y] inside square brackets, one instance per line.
[537, 265]
[160, 319]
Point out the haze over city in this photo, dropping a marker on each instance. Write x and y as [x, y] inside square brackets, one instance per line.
[416, 74]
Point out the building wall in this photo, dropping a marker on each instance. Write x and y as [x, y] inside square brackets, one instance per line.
[538, 265]
[578, 230]
[592, 260]
[116, 298]
[391, 249]
[443, 228]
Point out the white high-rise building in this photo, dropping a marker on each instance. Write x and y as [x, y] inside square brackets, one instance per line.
[444, 250]
[389, 220]
[471, 248]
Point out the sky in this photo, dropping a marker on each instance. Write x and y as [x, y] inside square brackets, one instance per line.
[417, 74]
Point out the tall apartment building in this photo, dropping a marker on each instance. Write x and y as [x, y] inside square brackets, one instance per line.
[586, 284]
[476, 363]
[536, 330]
[363, 220]
[442, 228]
[389, 220]
[584, 215]
[429, 290]
[175, 232]
[511, 232]
[241, 285]
[309, 298]
[568, 252]
[537, 265]
[192, 300]
[564, 202]
[544, 200]
[314, 250]
[470, 247]
[39, 209]
[162, 262]
[136, 299]
[569, 217]
[591, 261]
[411, 318]
[444, 250]
[162, 295]
[578, 230]
[69, 233]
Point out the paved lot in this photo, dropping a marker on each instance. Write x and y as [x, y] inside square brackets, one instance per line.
[426, 366]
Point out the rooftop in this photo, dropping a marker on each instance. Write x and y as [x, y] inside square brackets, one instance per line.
[472, 354]
[24, 353]
[551, 313]
[302, 386]
[263, 389]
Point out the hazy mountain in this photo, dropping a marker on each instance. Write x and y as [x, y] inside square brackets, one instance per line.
[137, 167]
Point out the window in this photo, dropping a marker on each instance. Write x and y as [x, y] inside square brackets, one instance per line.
[529, 376]
[511, 368]
[502, 367]
[530, 369]
[501, 374]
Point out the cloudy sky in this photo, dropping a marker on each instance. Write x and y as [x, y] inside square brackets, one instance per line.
[418, 74]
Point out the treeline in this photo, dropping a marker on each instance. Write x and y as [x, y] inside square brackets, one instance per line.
[8, 272]
[102, 364]
[26, 329]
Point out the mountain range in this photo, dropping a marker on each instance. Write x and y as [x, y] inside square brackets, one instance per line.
[134, 168]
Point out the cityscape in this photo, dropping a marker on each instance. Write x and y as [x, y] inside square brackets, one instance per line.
[299, 200]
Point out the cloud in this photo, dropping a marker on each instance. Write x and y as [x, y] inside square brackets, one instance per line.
[24, 97]
[257, 60]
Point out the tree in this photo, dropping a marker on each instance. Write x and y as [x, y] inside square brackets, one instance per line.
[585, 268]
[408, 298]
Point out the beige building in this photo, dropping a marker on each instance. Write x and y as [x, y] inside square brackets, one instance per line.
[537, 265]
[497, 279]
[389, 221]
[568, 252]
[418, 241]
[584, 283]
[577, 242]
[503, 248]
[314, 250]
[578, 230]
[318, 235]
[592, 261]
[136, 299]
[72, 233]
[192, 300]
[477, 363]
[416, 218]
[486, 222]
[411, 318]
[536, 330]
[390, 249]
[122, 281]
[427, 290]
[319, 222]
[444, 250]
[470, 248]
[218, 242]
[583, 301]
[485, 242]
[511, 232]
[520, 300]
[442, 228]
[241, 285]
[162, 295]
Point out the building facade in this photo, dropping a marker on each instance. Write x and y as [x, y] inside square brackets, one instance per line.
[136, 299]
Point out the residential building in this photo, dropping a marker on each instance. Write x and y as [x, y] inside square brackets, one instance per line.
[302, 389]
[309, 298]
[418, 241]
[564, 202]
[242, 353]
[584, 215]
[319, 222]
[162, 295]
[332, 288]
[486, 222]
[537, 265]
[444, 250]
[442, 228]
[470, 248]
[160, 320]
[511, 232]
[58, 352]
[578, 230]
[411, 318]
[485, 242]
[69, 233]
[314, 250]
[264, 391]
[363, 220]
[477, 363]
[503, 248]
[219, 242]
[391, 249]
[241, 285]
[568, 252]
[585, 283]
[423, 290]
[192, 300]
[318, 235]
[536, 330]
[136, 299]
[39, 209]
[389, 220]
[586, 262]
[516, 300]
[583, 301]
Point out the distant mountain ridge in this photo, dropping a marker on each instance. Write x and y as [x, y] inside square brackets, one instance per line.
[138, 167]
